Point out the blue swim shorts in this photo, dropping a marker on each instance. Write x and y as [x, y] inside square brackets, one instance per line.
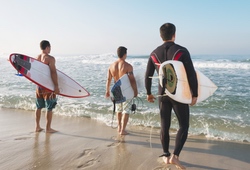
[45, 99]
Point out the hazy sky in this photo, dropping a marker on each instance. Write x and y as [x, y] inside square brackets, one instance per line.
[217, 27]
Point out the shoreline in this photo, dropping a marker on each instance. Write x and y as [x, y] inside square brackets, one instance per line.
[84, 143]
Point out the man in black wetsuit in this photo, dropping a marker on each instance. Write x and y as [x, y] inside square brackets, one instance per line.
[171, 51]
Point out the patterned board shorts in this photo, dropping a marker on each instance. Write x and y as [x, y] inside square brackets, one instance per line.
[45, 99]
[123, 107]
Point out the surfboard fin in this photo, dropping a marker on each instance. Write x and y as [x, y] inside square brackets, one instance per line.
[19, 74]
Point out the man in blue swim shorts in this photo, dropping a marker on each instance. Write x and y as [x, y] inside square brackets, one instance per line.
[44, 98]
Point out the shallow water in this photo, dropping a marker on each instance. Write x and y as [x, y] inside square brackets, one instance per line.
[224, 115]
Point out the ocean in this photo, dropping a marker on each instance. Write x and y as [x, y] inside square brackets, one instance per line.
[224, 116]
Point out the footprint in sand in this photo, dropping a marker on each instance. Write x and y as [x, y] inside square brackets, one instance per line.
[82, 160]
[85, 152]
[162, 168]
[118, 140]
[22, 138]
[114, 144]
[87, 163]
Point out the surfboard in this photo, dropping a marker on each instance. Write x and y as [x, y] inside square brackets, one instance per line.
[177, 86]
[39, 73]
[122, 90]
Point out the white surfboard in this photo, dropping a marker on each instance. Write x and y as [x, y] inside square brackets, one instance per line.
[39, 73]
[122, 90]
[177, 86]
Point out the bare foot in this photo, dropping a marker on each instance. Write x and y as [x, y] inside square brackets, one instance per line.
[166, 159]
[175, 160]
[39, 129]
[51, 131]
[123, 132]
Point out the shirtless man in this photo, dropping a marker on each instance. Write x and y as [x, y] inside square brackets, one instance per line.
[44, 98]
[117, 70]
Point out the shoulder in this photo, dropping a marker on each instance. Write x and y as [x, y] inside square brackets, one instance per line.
[113, 64]
[178, 47]
[39, 57]
[51, 58]
[178, 52]
[128, 65]
[159, 48]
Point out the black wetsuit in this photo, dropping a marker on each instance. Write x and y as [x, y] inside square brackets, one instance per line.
[172, 51]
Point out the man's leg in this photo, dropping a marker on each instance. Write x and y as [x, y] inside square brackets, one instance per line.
[119, 120]
[165, 112]
[48, 125]
[182, 114]
[38, 116]
[124, 124]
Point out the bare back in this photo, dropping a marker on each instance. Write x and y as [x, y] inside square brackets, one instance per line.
[46, 59]
[119, 68]
[116, 71]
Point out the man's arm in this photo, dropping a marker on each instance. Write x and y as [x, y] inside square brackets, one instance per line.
[53, 74]
[149, 73]
[108, 82]
[148, 81]
[191, 75]
[132, 80]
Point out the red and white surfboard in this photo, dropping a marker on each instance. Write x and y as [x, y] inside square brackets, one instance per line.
[39, 73]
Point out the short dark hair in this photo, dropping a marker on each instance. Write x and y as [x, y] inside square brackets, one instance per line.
[44, 44]
[121, 51]
[167, 31]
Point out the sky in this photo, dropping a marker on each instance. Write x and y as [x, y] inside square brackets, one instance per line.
[78, 27]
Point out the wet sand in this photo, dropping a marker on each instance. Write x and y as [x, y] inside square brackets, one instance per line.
[83, 143]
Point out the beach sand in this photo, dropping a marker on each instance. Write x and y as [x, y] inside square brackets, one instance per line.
[83, 143]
